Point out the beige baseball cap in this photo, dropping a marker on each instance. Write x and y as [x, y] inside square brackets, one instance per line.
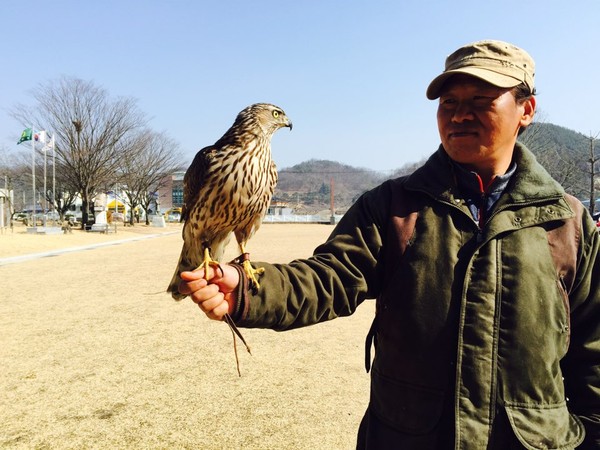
[499, 63]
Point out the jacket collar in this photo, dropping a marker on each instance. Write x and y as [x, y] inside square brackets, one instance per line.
[531, 183]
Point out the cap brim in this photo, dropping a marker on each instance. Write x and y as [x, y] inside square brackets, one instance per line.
[495, 78]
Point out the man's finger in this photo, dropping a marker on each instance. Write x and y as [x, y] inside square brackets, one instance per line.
[190, 275]
[187, 287]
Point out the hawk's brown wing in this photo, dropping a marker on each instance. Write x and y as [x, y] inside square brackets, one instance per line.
[194, 178]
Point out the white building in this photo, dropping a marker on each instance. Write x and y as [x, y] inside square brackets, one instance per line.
[6, 202]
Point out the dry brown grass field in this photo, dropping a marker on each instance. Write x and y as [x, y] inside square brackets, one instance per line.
[94, 354]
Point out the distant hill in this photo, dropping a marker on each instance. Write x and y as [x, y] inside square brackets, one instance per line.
[539, 135]
[564, 153]
[307, 186]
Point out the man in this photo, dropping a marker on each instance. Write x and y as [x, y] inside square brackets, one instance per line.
[481, 342]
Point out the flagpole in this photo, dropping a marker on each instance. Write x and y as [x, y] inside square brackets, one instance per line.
[53, 174]
[45, 211]
[33, 176]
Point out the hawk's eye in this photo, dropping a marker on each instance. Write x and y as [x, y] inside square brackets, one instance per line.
[276, 114]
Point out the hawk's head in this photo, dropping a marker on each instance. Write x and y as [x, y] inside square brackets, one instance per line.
[269, 118]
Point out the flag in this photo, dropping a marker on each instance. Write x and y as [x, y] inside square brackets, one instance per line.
[49, 145]
[25, 135]
[40, 136]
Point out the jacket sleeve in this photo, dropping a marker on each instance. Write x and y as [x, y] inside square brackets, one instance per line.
[341, 273]
[581, 365]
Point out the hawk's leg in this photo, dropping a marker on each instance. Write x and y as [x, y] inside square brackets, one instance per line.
[206, 263]
[250, 271]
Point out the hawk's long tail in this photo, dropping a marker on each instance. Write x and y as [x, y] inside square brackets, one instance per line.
[183, 265]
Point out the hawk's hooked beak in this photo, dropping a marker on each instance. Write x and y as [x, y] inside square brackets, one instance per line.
[289, 124]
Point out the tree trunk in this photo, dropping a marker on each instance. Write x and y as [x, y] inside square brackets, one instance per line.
[84, 210]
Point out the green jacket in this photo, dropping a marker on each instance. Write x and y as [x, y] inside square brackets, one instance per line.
[472, 324]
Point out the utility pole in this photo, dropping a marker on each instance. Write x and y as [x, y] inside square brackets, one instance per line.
[593, 160]
[331, 200]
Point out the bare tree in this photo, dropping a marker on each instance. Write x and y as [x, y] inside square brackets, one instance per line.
[17, 170]
[59, 194]
[15, 175]
[151, 158]
[87, 125]
[63, 194]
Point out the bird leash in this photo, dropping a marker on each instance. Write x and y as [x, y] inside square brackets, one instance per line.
[235, 331]
[237, 264]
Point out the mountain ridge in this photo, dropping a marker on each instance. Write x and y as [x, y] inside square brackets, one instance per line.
[306, 187]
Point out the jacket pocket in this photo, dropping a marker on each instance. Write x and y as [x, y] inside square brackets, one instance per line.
[545, 427]
[406, 407]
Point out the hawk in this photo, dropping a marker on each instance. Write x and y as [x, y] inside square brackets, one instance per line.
[227, 189]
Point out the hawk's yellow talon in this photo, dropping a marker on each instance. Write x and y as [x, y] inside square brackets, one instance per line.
[253, 273]
[207, 262]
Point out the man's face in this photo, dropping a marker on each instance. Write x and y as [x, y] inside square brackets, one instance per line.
[479, 122]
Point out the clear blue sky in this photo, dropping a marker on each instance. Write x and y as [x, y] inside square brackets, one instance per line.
[350, 74]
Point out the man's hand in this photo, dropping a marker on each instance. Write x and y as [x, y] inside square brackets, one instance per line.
[215, 296]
